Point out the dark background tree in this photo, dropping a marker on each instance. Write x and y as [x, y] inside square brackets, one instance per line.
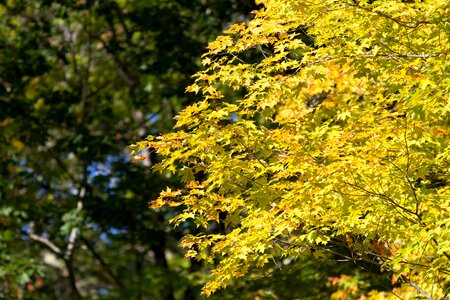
[79, 81]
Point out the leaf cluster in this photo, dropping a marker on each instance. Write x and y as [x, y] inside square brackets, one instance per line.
[341, 138]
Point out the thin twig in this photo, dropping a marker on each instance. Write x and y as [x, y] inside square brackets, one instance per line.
[417, 288]
[102, 262]
[401, 23]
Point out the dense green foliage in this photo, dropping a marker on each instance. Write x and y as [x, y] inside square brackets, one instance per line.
[79, 81]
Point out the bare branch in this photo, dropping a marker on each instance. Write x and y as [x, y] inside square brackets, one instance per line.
[55, 249]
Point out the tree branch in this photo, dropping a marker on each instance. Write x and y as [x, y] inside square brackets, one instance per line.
[380, 55]
[412, 25]
[102, 262]
[388, 199]
[73, 283]
[425, 294]
[46, 242]
[131, 81]
[73, 236]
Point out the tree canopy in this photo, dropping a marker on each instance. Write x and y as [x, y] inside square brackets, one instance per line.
[335, 142]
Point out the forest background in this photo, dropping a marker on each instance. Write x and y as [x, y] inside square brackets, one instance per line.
[79, 82]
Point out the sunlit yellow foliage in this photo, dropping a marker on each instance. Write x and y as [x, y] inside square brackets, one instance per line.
[341, 137]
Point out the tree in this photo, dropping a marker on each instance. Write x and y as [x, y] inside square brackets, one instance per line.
[79, 81]
[338, 146]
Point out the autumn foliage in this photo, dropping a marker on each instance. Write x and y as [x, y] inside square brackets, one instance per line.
[339, 138]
